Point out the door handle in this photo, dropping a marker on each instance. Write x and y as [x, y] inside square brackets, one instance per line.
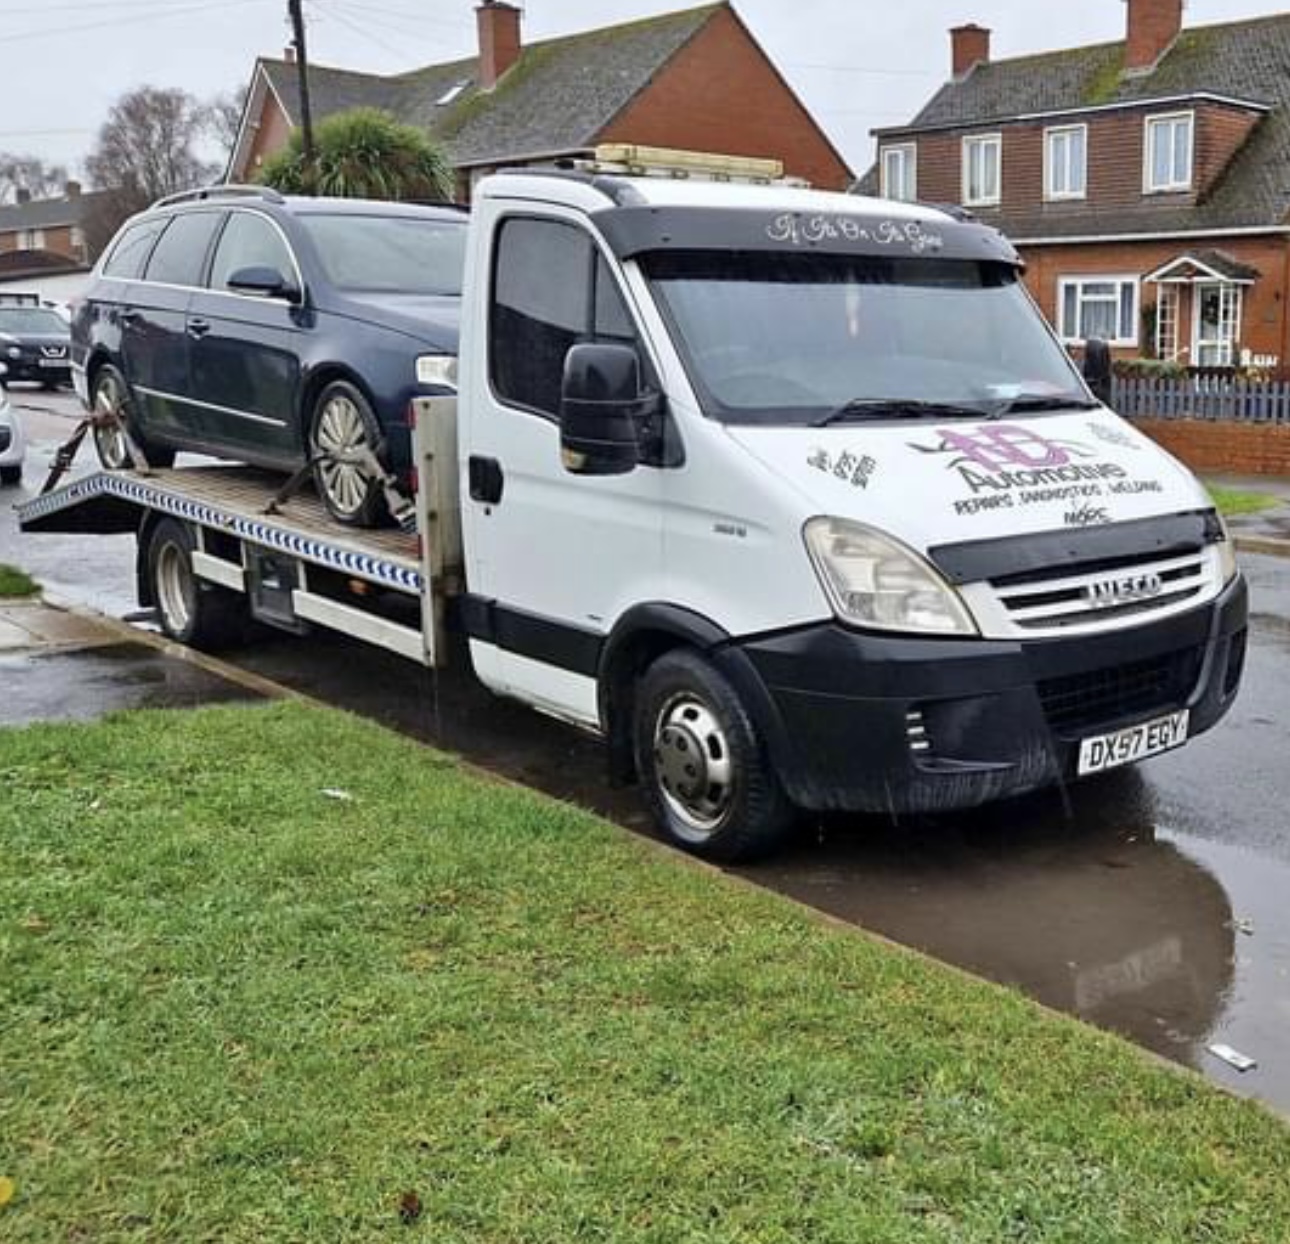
[198, 328]
[486, 480]
[130, 316]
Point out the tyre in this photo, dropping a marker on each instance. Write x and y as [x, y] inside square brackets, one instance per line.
[191, 612]
[111, 396]
[342, 431]
[704, 767]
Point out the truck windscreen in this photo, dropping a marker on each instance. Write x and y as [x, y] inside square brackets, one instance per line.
[776, 337]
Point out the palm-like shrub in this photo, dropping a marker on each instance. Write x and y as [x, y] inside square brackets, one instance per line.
[363, 154]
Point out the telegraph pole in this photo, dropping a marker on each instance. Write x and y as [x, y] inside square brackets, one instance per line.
[296, 10]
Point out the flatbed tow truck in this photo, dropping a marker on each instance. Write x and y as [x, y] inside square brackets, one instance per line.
[792, 498]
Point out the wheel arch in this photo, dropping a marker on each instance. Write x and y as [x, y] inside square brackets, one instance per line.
[645, 633]
[316, 381]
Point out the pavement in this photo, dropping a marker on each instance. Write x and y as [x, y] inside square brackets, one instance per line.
[1150, 902]
[1268, 532]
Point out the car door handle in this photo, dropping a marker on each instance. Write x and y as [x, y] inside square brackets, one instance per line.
[130, 316]
[486, 480]
[198, 328]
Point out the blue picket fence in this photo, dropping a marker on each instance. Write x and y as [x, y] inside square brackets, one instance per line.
[1202, 397]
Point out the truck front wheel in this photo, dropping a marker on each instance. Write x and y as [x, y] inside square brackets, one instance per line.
[191, 612]
[704, 767]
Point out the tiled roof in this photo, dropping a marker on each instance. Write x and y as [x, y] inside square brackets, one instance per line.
[556, 98]
[1248, 59]
[45, 213]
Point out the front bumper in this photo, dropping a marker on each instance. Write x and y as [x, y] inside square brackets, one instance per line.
[31, 369]
[861, 722]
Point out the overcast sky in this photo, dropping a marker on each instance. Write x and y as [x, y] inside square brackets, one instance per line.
[857, 63]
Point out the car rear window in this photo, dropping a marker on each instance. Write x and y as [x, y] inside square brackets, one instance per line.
[390, 254]
[131, 251]
[178, 259]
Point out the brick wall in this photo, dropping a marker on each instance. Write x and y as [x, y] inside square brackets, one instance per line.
[1233, 448]
[270, 136]
[1264, 327]
[721, 93]
[1116, 151]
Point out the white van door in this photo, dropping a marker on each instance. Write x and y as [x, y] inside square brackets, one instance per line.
[553, 558]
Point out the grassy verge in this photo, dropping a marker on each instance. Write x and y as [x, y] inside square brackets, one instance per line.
[236, 1008]
[1236, 501]
[14, 582]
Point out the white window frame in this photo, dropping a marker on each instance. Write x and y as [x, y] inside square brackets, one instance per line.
[1231, 312]
[1151, 126]
[1052, 195]
[1119, 280]
[908, 153]
[971, 141]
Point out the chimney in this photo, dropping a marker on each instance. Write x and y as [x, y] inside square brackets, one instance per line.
[499, 40]
[1153, 27]
[72, 189]
[970, 45]
[23, 195]
[289, 53]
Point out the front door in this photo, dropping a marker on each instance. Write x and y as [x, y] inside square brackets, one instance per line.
[246, 350]
[1218, 324]
[554, 558]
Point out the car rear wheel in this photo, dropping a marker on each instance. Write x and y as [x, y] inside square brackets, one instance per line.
[704, 767]
[190, 611]
[112, 407]
[344, 442]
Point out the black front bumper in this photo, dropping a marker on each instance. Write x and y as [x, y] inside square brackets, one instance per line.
[30, 369]
[846, 714]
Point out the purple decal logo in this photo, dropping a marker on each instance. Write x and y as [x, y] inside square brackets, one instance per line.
[999, 448]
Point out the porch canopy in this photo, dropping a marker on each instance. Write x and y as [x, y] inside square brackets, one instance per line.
[1204, 289]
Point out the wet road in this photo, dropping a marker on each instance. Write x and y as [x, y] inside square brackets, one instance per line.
[1154, 902]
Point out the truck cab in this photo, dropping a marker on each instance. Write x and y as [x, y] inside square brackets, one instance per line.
[797, 499]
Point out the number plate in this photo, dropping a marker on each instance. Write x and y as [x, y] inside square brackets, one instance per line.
[53, 362]
[1123, 747]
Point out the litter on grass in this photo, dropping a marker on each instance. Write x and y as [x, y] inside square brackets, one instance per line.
[1233, 1058]
[342, 796]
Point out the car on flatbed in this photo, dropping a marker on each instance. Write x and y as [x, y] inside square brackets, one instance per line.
[276, 331]
[792, 498]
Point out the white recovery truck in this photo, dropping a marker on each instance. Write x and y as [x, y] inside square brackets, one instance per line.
[792, 497]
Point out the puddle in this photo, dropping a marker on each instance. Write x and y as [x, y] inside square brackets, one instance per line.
[83, 685]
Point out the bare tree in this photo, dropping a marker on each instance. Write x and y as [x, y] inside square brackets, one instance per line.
[146, 149]
[21, 171]
[224, 119]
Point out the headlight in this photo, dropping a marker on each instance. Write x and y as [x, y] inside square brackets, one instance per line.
[872, 580]
[14, 352]
[440, 369]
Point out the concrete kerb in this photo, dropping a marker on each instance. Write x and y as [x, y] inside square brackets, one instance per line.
[1266, 546]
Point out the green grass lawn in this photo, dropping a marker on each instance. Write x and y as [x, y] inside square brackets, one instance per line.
[1232, 502]
[14, 582]
[233, 1008]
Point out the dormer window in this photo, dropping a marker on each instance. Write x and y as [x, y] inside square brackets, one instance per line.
[1169, 151]
[900, 172]
[983, 170]
[1066, 162]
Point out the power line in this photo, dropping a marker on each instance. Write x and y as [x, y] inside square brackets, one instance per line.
[402, 53]
[418, 18]
[56, 31]
[368, 17]
[866, 69]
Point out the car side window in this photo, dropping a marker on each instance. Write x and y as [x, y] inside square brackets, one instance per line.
[551, 290]
[131, 252]
[249, 241]
[180, 255]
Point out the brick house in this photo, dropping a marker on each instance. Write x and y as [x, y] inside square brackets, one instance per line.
[50, 226]
[1146, 181]
[696, 79]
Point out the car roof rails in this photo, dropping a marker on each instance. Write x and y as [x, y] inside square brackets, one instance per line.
[267, 193]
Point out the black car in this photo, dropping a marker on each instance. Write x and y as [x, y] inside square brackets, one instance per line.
[34, 344]
[275, 331]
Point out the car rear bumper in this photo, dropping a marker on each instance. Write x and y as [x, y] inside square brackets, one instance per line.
[860, 722]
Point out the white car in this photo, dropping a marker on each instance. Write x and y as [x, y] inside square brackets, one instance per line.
[13, 444]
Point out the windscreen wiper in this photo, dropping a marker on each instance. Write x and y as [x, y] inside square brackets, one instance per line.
[863, 408]
[1035, 402]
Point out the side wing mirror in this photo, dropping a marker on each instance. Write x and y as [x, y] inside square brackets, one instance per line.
[601, 408]
[261, 281]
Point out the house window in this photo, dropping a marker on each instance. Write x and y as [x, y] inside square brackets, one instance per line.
[1098, 306]
[982, 170]
[1066, 162]
[900, 173]
[1169, 152]
[24, 239]
[38, 239]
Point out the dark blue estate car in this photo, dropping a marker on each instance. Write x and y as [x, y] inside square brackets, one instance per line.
[274, 331]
